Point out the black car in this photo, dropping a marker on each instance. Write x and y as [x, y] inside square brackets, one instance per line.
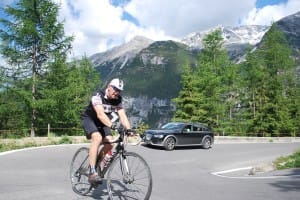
[175, 134]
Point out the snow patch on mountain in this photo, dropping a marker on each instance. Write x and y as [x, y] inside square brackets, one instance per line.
[231, 35]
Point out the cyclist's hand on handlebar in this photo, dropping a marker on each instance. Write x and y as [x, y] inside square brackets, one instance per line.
[114, 126]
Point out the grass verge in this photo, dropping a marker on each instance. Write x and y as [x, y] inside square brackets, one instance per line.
[12, 144]
[286, 162]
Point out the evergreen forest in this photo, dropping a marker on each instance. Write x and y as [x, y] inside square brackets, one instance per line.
[258, 97]
[39, 86]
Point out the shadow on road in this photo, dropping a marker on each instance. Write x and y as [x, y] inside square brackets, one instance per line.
[99, 193]
[292, 184]
[182, 148]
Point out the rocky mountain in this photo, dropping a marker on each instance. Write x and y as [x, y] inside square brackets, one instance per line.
[152, 69]
[119, 56]
[152, 79]
[236, 39]
[231, 35]
[290, 26]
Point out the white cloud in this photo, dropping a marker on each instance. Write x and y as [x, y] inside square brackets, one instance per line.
[92, 22]
[98, 26]
[181, 17]
[269, 14]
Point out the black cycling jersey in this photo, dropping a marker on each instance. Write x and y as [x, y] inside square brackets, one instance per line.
[110, 106]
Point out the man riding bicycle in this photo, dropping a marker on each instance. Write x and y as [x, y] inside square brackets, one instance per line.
[99, 118]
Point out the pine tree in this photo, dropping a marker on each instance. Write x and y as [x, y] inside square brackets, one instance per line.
[11, 105]
[279, 63]
[213, 63]
[254, 96]
[206, 90]
[30, 38]
[66, 88]
[189, 99]
[271, 85]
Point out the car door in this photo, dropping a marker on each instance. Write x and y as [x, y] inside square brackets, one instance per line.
[196, 135]
[202, 131]
[188, 136]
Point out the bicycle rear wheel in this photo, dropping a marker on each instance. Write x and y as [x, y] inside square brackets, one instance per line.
[129, 177]
[79, 171]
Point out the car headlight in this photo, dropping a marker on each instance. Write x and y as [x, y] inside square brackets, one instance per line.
[158, 136]
[148, 136]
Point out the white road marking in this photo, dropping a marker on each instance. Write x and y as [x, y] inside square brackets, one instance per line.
[38, 147]
[223, 174]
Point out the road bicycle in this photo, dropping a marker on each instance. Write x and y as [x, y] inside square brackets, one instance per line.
[127, 174]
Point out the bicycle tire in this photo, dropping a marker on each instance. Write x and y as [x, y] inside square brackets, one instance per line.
[138, 185]
[79, 171]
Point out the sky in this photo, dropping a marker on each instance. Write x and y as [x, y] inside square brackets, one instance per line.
[99, 25]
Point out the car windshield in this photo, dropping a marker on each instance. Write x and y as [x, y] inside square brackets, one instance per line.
[172, 126]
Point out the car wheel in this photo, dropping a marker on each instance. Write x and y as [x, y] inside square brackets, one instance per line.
[169, 143]
[206, 143]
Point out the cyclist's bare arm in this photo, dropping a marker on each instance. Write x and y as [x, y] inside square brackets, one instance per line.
[124, 120]
[101, 115]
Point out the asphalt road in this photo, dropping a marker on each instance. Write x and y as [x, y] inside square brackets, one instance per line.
[183, 174]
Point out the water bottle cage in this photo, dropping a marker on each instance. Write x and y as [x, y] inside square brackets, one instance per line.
[107, 161]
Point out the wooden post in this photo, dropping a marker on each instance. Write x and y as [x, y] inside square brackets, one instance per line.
[48, 130]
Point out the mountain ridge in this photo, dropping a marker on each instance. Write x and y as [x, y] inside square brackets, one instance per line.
[152, 69]
[251, 34]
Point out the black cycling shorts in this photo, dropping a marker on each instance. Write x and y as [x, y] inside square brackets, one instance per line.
[90, 127]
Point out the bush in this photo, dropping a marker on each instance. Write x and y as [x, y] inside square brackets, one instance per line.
[65, 140]
[8, 146]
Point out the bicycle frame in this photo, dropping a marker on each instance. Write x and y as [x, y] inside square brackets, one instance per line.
[120, 171]
[119, 151]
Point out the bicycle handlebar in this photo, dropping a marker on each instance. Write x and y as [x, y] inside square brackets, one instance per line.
[122, 132]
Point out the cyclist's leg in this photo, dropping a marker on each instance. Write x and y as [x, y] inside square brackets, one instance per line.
[96, 140]
[94, 177]
[108, 138]
[92, 133]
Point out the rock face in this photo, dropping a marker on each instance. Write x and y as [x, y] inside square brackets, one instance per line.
[128, 50]
[290, 25]
[120, 56]
[152, 69]
[151, 110]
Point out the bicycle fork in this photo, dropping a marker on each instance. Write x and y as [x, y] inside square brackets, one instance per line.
[127, 177]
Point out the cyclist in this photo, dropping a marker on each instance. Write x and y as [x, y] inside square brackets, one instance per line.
[99, 118]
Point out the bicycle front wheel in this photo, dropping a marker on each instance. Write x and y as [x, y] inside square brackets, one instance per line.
[129, 177]
[79, 171]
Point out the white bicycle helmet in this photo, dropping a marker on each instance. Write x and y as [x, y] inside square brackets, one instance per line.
[117, 83]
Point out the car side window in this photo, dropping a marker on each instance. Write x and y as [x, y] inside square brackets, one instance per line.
[200, 128]
[204, 129]
[195, 128]
[187, 128]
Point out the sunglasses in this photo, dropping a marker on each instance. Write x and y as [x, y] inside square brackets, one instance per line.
[115, 89]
